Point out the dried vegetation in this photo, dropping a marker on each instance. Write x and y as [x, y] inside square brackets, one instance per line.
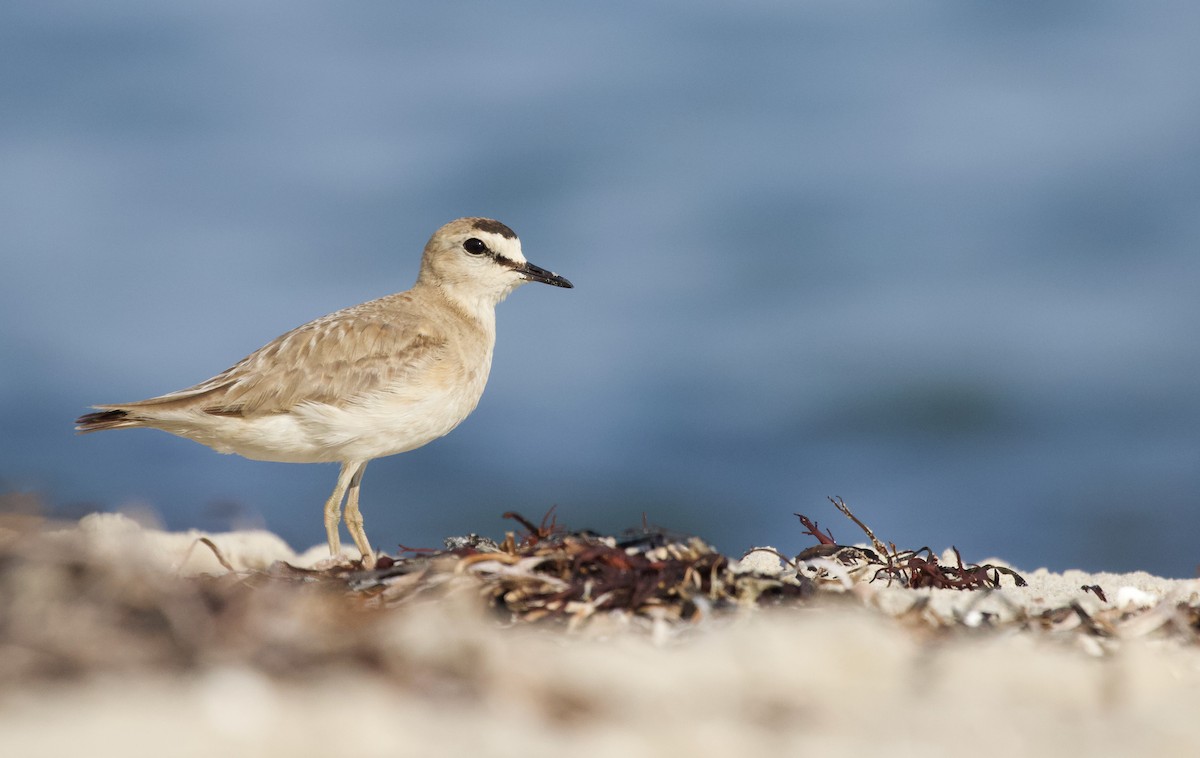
[66, 611]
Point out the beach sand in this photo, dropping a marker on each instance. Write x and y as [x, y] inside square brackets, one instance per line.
[118, 639]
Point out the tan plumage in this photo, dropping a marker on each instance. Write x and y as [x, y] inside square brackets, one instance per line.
[331, 360]
[375, 379]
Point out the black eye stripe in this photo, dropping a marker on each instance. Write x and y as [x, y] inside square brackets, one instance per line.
[475, 246]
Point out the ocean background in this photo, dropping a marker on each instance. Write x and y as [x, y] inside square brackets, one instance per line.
[939, 259]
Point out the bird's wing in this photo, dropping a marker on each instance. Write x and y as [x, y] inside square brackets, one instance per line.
[330, 360]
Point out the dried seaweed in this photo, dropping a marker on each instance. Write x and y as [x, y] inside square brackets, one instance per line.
[68, 611]
[912, 568]
[915, 571]
[549, 573]
[1096, 590]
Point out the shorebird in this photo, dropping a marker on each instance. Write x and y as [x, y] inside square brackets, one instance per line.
[376, 379]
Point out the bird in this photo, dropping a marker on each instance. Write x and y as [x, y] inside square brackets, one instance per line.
[376, 379]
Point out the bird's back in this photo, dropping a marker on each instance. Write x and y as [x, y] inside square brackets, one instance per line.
[383, 376]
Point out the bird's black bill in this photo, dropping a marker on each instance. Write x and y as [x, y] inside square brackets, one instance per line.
[538, 274]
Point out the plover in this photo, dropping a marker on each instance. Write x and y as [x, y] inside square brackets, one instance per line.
[376, 379]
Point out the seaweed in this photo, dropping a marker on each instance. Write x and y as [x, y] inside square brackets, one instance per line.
[912, 568]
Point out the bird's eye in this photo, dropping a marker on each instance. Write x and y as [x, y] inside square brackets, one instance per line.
[475, 246]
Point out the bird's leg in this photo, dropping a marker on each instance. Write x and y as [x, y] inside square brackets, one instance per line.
[333, 506]
[354, 519]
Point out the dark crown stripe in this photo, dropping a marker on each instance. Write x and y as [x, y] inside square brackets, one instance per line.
[495, 227]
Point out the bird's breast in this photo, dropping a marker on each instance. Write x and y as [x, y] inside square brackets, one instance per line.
[400, 416]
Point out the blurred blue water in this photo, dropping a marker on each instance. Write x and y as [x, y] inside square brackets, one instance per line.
[939, 259]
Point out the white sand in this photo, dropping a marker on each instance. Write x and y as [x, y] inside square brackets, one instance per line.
[860, 675]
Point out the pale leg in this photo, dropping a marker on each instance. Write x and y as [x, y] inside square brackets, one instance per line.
[354, 519]
[333, 506]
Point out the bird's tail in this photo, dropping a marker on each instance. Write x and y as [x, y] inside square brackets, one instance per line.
[106, 419]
